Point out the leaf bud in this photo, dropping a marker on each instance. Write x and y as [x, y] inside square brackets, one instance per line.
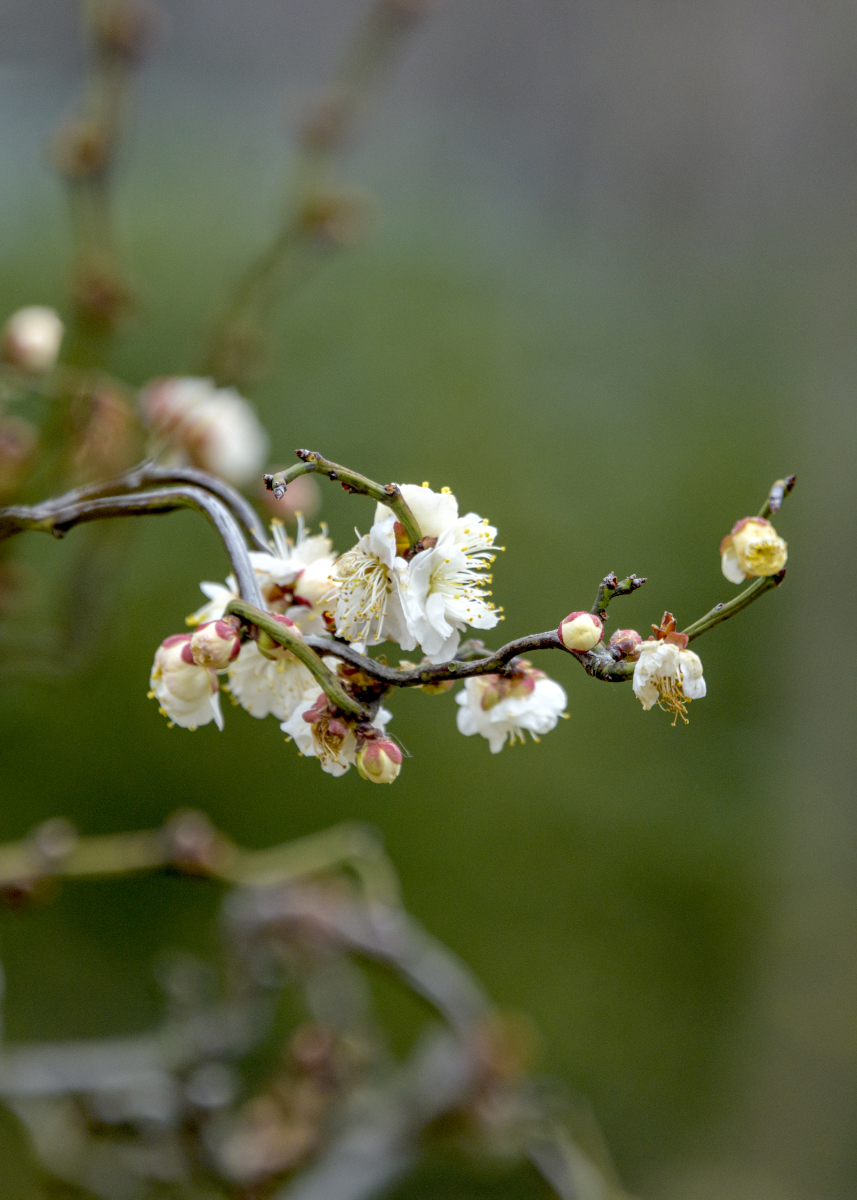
[626, 644]
[32, 338]
[580, 631]
[379, 760]
[215, 644]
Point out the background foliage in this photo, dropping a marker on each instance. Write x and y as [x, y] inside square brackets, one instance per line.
[610, 298]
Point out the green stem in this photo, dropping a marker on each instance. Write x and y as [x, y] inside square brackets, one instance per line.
[388, 494]
[282, 634]
[722, 612]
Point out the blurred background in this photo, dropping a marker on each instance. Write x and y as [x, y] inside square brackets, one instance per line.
[608, 298]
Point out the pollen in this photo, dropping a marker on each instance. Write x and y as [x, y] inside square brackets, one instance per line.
[426, 483]
[150, 695]
[673, 699]
[445, 491]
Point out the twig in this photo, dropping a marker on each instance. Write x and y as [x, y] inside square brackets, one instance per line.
[388, 494]
[282, 634]
[779, 490]
[609, 588]
[722, 612]
[58, 516]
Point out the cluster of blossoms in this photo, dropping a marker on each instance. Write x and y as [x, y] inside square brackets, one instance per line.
[192, 422]
[423, 593]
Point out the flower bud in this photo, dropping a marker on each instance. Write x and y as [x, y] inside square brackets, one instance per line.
[215, 645]
[379, 760]
[580, 631]
[626, 643]
[32, 338]
[271, 648]
[753, 548]
[187, 693]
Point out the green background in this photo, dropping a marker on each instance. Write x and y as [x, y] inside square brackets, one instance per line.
[613, 386]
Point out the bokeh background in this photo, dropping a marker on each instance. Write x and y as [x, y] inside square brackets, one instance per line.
[609, 297]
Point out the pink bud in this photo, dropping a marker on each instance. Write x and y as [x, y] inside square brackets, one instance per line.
[215, 645]
[580, 631]
[379, 760]
[626, 642]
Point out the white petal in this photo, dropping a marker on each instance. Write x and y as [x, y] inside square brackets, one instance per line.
[729, 565]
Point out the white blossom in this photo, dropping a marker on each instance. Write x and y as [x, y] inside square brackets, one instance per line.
[31, 338]
[429, 599]
[330, 739]
[502, 708]
[265, 686]
[188, 694]
[669, 676]
[753, 548]
[213, 428]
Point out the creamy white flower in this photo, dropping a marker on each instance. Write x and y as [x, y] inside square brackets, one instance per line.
[188, 694]
[501, 708]
[213, 428]
[265, 686]
[428, 600]
[668, 676]
[335, 749]
[371, 579]
[294, 578]
[753, 548]
[31, 338]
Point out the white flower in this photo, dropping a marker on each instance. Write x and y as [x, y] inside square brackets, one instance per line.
[31, 338]
[213, 428]
[188, 694]
[428, 599]
[320, 734]
[669, 676]
[294, 578]
[502, 707]
[753, 548]
[265, 686]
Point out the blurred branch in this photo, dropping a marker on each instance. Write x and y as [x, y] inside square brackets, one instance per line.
[84, 152]
[319, 217]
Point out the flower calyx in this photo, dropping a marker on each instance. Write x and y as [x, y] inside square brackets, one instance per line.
[580, 632]
[752, 548]
[666, 632]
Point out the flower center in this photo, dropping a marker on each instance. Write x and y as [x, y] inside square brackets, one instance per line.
[362, 599]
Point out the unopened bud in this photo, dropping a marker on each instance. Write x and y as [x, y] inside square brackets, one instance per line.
[271, 648]
[626, 643]
[580, 631]
[215, 645]
[32, 338]
[379, 760]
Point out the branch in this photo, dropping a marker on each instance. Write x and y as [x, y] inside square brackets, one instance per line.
[779, 490]
[611, 587]
[722, 612]
[59, 515]
[351, 481]
[282, 634]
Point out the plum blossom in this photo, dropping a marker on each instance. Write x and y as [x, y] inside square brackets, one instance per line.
[426, 600]
[753, 548]
[379, 760]
[503, 707]
[294, 578]
[580, 631]
[187, 693]
[265, 686]
[319, 731]
[668, 675]
[213, 428]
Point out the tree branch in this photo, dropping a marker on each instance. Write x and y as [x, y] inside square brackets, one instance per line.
[611, 587]
[59, 515]
[388, 494]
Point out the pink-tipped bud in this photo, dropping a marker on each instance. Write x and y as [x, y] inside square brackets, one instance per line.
[215, 645]
[580, 631]
[32, 338]
[379, 760]
[626, 643]
[271, 648]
